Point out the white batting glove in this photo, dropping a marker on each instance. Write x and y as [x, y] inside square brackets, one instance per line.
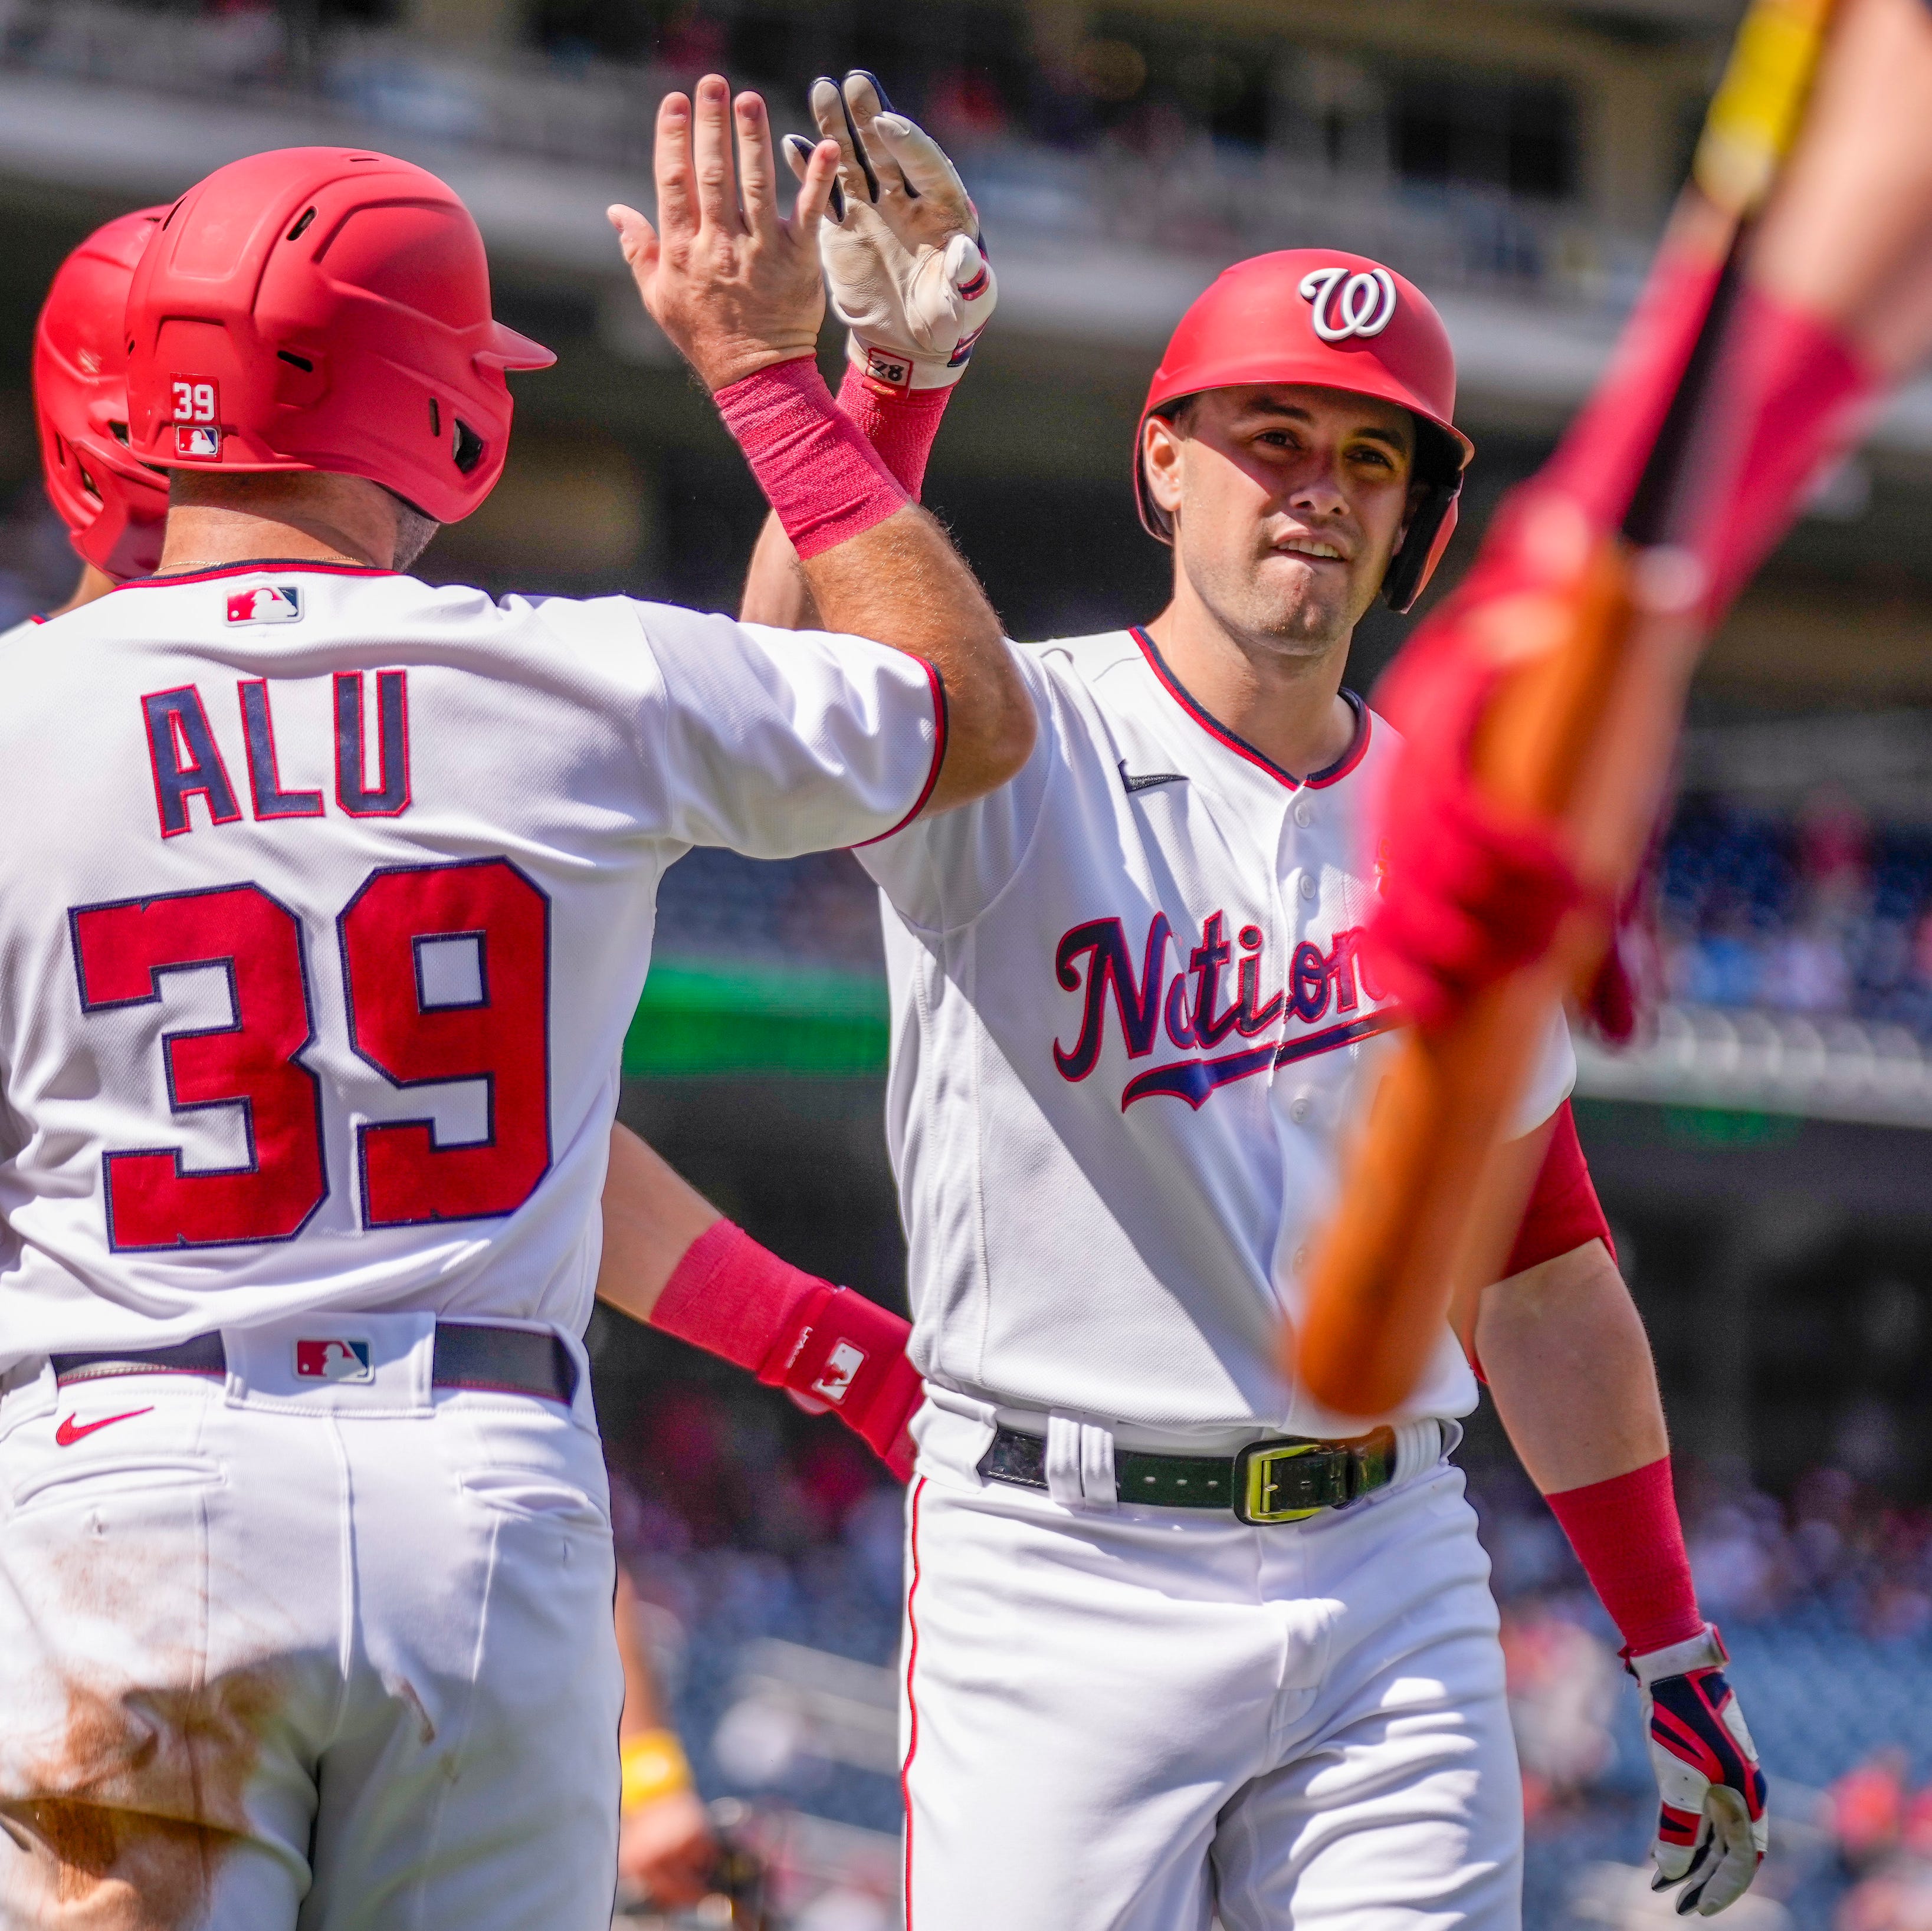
[1711, 1829]
[901, 244]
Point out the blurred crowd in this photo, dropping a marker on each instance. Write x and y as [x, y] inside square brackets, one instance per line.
[768, 1548]
[1820, 912]
[1170, 133]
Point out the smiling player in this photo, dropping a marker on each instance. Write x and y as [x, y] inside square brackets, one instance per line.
[1179, 1643]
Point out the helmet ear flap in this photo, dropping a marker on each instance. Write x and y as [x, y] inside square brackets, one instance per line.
[1423, 544]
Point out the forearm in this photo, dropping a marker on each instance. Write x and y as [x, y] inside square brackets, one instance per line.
[644, 1710]
[775, 590]
[902, 583]
[1569, 1367]
[651, 1217]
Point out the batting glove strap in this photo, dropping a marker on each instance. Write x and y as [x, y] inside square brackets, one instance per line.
[1705, 1651]
[1711, 1829]
[848, 1353]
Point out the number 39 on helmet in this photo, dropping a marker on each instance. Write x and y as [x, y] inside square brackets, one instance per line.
[1332, 321]
[324, 308]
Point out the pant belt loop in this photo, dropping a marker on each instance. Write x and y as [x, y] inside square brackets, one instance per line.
[1080, 1464]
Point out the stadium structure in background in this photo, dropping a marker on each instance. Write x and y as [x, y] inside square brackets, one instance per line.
[1763, 1156]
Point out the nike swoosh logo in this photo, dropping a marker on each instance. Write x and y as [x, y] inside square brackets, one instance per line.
[1142, 781]
[71, 1431]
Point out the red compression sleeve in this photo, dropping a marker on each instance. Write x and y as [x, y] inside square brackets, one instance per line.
[1627, 1535]
[899, 424]
[827, 482]
[737, 1300]
[1563, 1211]
[1800, 385]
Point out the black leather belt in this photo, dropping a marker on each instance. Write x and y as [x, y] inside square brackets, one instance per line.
[501, 1361]
[1283, 1480]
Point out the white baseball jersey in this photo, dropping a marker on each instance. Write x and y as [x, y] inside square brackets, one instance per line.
[327, 900]
[1129, 1021]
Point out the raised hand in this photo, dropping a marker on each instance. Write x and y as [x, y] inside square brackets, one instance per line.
[902, 248]
[736, 287]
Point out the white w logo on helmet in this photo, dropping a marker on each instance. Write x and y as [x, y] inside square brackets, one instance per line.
[1363, 307]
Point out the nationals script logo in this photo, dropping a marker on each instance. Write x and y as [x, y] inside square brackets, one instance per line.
[1341, 304]
[1093, 959]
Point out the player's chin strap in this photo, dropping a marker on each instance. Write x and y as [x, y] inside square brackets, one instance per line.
[1711, 1829]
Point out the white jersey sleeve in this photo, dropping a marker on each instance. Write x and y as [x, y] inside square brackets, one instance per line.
[776, 742]
[944, 872]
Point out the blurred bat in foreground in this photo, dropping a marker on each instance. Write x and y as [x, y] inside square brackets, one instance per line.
[1792, 290]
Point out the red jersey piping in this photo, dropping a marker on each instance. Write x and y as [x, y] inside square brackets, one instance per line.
[940, 720]
[1329, 774]
[254, 567]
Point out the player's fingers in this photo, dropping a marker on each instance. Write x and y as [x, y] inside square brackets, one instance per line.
[637, 238]
[864, 100]
[677, 209]
[924, 163]
[757, 173]
[819, 185]
[828, 111]
[1678, 1853]
[798, 151]
[1735, 1856]
[711, 155]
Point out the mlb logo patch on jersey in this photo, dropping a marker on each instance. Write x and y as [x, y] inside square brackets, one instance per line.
[333, 1360]
[842, 1365]
[268, 603]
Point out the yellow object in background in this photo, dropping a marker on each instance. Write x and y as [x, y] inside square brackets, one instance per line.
[655, 1766]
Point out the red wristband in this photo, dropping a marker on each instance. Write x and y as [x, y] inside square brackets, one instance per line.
[827, 482]
[735, 1299]
[1628, 1536]
[899, 424]
[1563, 1211]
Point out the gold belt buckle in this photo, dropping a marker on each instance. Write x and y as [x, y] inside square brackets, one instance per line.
[1259, 1489]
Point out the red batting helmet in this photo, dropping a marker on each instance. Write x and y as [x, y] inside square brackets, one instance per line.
[324, 308]
[1335, 322]
[113, 506]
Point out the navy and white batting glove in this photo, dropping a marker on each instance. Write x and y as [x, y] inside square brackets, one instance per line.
[900, 245]
[1711, 1830]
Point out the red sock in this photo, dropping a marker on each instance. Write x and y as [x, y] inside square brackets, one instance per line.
[1628, 1536]
[899, 424]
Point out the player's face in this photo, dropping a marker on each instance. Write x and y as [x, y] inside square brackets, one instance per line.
[1287, 503]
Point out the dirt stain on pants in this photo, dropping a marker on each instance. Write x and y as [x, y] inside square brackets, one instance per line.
[126, 1824]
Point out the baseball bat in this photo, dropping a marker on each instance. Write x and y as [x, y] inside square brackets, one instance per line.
[1594, 667]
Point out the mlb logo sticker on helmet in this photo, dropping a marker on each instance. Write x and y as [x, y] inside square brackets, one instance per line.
[202, 442]
[266, 603]
[333, 1361]
[841, 1366]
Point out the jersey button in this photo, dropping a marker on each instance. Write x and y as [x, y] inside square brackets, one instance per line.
[1299, 1111]
[1300, 1258]
[1303, 816]
[1307, 888]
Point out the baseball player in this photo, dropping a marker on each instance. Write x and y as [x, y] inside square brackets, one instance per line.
[115, 509]
[114, 505]
[1177, 1642]
[330, 899]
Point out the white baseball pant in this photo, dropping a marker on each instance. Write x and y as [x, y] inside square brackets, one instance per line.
[279, 1652]
[1135, 1719]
